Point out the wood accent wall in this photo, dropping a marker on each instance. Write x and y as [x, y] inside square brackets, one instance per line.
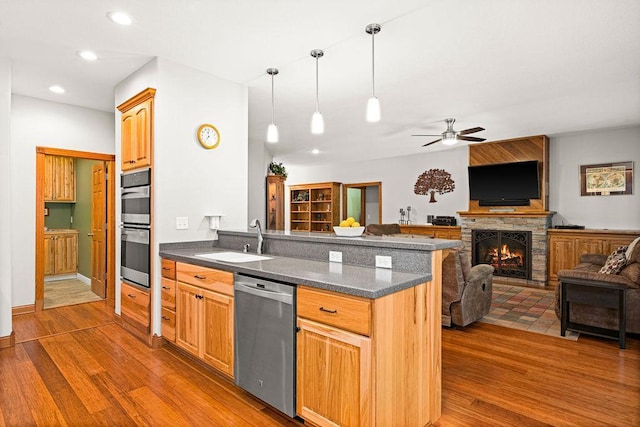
[515, 150]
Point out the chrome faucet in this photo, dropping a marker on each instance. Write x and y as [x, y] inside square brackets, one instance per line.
[256, 224]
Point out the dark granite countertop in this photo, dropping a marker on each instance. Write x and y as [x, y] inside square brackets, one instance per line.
[348, 279]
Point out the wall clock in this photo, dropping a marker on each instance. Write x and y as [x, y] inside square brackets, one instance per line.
[208, 136]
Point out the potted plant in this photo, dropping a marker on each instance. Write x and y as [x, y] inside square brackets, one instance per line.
[277, 169]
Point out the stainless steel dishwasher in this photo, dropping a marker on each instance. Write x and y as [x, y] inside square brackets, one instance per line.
[265, 340]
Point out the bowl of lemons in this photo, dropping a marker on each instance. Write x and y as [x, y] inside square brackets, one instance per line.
[348, 228]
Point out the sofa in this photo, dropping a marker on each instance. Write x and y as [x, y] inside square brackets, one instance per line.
[589, 270]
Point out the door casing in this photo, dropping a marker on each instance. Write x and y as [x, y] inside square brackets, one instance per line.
[109, 160]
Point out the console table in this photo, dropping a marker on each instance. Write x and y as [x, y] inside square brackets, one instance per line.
[609, 295]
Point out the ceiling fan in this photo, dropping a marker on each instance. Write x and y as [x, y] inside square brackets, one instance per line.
[451, 136]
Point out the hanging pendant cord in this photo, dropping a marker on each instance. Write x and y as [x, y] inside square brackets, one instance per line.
[373, 65]
[317, 102]
[272, 102]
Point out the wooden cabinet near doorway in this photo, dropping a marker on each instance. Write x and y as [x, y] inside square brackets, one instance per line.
[59, 179]
[60, 252]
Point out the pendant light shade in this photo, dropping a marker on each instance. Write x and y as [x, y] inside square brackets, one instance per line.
[272, 130]
[373, 105]
[317, 121]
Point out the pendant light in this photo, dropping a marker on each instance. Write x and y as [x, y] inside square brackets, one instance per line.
[317, 122]
[373, 105]
[272, 130]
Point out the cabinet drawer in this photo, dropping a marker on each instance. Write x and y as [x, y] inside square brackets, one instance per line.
[168, 293]
[134, 305]
[204, 277]
[168, 324]
[342, 311]
[168, 269]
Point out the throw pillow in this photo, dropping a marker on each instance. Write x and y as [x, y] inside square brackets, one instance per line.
[615, 261]
[631, 248]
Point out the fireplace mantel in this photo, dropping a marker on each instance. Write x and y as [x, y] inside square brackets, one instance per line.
[505, 213]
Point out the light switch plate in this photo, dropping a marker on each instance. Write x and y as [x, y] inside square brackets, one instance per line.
[182, 222]
[383, 261]
[335, 256]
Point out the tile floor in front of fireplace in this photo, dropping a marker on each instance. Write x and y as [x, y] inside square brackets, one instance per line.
[525, 308]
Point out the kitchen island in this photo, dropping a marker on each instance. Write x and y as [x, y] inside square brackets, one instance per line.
[368, 346]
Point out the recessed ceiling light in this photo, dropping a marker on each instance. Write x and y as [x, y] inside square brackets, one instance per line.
[315, 151]
[87, 55]
[119, 17]
[56, 89]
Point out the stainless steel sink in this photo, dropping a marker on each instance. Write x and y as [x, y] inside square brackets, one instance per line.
[233, 257]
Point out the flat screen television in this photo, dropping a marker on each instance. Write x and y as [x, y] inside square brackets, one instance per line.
[504, 184]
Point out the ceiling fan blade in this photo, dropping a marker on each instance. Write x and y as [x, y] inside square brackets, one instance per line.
[471, 138]
[426, 135]
[432, 142]
[468, 131]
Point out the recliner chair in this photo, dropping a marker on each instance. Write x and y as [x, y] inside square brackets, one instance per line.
[466, 290]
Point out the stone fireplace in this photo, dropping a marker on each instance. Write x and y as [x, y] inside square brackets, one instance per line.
[515, 264]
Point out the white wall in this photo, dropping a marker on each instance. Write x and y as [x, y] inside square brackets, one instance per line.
[567, 153]
[189, 180]
[35, 122]
[5, 193]
[398, 176]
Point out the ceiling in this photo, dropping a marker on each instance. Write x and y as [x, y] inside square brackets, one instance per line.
[516, 68]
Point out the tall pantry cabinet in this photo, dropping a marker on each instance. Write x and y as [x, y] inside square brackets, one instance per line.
[136, 152]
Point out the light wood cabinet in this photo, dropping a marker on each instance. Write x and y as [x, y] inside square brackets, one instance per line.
[363, 362]
[204, 315]
[135, 304]
[314, 207]
[59, 179]
[566, 246]
[60, 252]
[136, 124]
[168, 300]
[450, 232]
[275, 202]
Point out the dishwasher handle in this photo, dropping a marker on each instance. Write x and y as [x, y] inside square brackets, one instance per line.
[251, 288]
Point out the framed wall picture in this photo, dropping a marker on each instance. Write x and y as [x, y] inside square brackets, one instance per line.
[606, 179]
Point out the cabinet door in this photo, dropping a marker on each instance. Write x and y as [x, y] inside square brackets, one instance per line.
[66, 253]
[588, 246]
[561, 255]
[135, 307]
[217, 330]
[64, 180]
[48, 178]
[49, 255]
[333, 376]
[136, 136]
[612, 243]
[188, 318]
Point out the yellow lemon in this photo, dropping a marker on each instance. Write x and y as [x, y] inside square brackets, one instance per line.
[355, 224]
[350, 220]
[344, 223]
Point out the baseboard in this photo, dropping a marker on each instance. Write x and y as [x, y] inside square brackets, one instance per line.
[83, 279]
[157, 341]
[61, 277]
[23, 309]
[7, 342]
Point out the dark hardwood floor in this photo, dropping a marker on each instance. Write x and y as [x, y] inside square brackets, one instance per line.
[75, 366]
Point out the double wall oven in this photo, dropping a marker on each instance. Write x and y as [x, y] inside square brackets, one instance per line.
[136, 226]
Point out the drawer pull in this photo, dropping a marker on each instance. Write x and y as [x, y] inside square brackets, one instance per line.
[131, 296]
[199, 277]
[166, 268]
[328, 311]
[165, 318]
[166, 287]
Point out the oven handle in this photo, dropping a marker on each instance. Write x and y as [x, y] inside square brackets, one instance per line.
[136, 192]
[135, 235]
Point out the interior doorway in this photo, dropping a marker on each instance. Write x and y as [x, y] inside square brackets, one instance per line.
[363, 202]
[91, 219]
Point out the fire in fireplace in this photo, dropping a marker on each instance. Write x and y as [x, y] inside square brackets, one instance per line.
[509, 252]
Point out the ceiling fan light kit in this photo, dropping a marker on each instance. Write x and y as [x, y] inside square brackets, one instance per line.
[317, 121]
[373, 105]
[272, 130]
[451, 137]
